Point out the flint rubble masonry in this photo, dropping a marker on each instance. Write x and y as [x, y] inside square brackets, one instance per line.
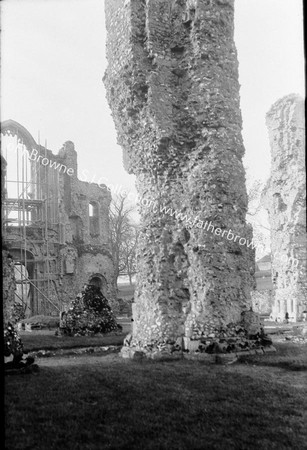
[172, 85]
[285, 199]
[191, 222]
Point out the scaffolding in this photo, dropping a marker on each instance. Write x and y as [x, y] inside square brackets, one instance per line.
[31, 220]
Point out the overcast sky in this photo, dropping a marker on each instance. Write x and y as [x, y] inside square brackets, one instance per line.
[53, 61]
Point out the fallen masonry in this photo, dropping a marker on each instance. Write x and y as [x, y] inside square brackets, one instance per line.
[172, 85]
[101, 350]
[217, 345]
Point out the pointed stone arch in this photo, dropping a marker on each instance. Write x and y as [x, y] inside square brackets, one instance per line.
[12, 128]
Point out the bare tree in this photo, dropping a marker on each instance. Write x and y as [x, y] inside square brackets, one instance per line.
[128, 252]
[123, 237]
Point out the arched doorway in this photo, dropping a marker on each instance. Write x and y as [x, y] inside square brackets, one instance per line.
[99, 280]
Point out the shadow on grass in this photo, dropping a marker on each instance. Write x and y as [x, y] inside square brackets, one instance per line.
[287, 365]
[288, 356]
[152, 405]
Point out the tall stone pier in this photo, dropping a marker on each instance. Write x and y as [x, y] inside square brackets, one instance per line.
[285, 200]
[172, 85]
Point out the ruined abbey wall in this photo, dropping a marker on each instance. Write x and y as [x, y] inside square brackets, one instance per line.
[172, 85]
[62, 235]
[285, 200]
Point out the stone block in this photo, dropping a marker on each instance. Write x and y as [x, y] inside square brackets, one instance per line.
[128, 340]
[226, 358]
[125, 352]
[251, 322]
[269, 349]
[179, 342]
[300, 330]
[258, 351]
[191, 345]
[157, 356]
[254, 352]
[28, 327]
[202, 347]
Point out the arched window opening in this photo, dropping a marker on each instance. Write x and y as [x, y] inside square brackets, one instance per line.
[18, 205]
[93, 212]
[30, 187]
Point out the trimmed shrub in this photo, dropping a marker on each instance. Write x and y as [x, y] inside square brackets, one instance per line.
[90, 313]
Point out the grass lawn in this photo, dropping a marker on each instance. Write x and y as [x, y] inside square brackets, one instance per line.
[92, 402]
[126, 290]
[38, 340]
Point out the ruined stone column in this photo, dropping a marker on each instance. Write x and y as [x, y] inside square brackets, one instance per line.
[285, 200]
[172, 85]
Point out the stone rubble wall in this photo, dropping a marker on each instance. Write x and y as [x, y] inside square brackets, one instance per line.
[8, 287]
[172, 85]
[262, 301]
[74, 257]
[285, 201]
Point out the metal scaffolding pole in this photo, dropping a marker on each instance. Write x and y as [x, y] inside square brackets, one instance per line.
[46, 223]
[42, 182]
[35, 287]
[24, 230]
[39, 196]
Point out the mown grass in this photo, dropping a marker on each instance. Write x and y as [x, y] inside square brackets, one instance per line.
[47, 340]
[289, 356]
[126, 290]
[33, 342]
[110, 403]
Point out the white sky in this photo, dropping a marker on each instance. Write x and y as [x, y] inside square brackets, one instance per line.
[53, 60]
